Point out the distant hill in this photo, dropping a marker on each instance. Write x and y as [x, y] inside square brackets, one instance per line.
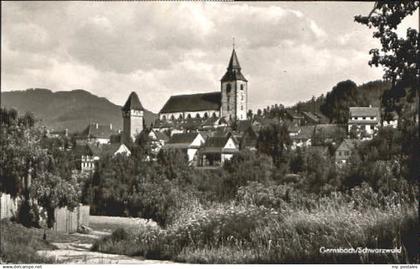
[72, 109]
[369, 93]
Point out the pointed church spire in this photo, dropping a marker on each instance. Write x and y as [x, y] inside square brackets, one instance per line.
[234, 63]
[234, 68]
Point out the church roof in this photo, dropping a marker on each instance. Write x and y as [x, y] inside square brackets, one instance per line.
[133, 103]
[234, 69]
[193, 102]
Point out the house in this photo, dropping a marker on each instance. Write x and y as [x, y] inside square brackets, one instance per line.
[92, 153]
[310, 118]
[189, 143]
[363, 121]
[158, 140]
[218, 149]
[301, 136]
[99, 133]
[230, 103]
[344, 151]
[214, 123]
[294, 116]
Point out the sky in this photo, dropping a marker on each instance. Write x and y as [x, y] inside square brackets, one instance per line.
[288, 51]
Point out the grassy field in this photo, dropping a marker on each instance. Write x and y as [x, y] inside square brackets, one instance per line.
[19, 244]
[249, 234]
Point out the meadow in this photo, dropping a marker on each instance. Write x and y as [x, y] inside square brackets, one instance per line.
[243, 232]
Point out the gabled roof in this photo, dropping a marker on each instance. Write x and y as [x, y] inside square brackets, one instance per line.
[161, 136]
[193, 102]
[305, 132]
[347, 144]
[184, 138]
[216, 144]
[180, 141]
[294, 114]
[234, 69]
[364, 112]
[103, 150]
[313, 117]
[133, 103]
[95, 130]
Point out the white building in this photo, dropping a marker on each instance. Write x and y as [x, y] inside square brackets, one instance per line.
[365, 121]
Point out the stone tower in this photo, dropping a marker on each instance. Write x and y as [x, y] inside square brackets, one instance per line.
[133, 113]
[234, 88]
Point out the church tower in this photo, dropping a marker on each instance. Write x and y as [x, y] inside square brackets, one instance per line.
[132, 113]
[234, 88]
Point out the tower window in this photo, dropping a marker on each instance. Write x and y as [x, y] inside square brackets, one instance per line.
[172, 117]
[206, 115]
[189, 116]
[197, 115]
[228, 88]
[242, 107]
[242, 87]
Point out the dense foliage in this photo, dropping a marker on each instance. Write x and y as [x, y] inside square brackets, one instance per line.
[29, 171]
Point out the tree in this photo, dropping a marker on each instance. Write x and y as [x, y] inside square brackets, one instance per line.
[29, 171]
[273, 140]
[399, 58]
[338, 101]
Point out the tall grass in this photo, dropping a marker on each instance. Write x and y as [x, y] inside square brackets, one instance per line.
[19, 244]
[243, 232]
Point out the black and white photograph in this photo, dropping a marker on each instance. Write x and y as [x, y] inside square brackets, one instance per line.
[179, 133]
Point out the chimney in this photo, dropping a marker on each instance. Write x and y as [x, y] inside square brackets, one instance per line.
[96, 125]
[110, 126]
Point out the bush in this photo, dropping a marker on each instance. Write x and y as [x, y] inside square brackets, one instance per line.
[19, 244]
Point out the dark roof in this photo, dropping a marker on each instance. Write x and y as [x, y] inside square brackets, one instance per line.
[294, 114]
[193, 102]
[305, 132]
[216, 142]
[95, 130]
[103, 150]
[234, 69]
[133, 103]
[364, 111]
[161, 136]
[328, 129]
[311, 116]
[183, 138]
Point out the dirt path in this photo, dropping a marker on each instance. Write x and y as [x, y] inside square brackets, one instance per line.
[80, 253]
[78, 250]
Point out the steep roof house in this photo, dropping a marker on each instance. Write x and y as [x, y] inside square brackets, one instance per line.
[344, 151]
[189, 143]
[218, 149]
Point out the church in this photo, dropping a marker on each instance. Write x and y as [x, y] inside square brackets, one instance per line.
[230, 103]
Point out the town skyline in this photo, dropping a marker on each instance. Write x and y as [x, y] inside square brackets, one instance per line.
[111, 55]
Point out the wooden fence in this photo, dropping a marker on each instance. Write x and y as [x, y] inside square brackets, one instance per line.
[67, 221]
